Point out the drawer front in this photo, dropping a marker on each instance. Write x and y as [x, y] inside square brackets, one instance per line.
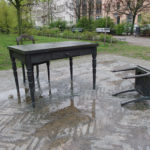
[41, 58]
[71, 53]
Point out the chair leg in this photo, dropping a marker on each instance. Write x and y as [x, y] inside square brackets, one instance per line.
[24, 76]
[136, 100]
[48, 73]
[124, 92]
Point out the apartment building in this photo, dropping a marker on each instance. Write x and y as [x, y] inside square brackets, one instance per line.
[44, 12]
[101, 8]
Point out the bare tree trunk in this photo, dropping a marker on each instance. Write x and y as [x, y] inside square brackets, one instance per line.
[133, 22]
[48, 12]
[19, 20]
[106, 27]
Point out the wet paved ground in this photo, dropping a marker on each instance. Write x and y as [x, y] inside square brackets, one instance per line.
[140, 41]
[89, 120]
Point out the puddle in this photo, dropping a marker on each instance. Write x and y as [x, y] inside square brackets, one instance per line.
[82, 120]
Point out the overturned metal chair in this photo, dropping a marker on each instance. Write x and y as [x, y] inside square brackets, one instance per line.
[142, 83]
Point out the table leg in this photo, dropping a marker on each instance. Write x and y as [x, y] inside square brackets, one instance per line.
[24, 76]
[71, 71]
[14, 67]
[31, 83]
[37, 72]
[48, 73]
[94, 68]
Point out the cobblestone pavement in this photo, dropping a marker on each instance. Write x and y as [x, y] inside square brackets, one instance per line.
[140, 41]
[89, 120]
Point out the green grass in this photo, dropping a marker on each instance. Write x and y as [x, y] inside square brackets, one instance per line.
[7, 40]
[119, 48]
[125, 49]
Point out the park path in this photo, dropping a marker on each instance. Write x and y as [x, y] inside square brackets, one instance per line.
[90, 120]
[140, 41]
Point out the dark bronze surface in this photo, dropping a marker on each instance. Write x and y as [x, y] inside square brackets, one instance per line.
[142, 83]
[33, 54]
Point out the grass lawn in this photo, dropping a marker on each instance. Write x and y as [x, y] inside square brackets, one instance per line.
[120, 48]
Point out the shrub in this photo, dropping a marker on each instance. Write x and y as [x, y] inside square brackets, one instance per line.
[88, 35]
[59, 24]
[54, 32]
[127, 27]
[26, 25]
[119, 29]
[31, 31]
[103, 23]
[145, 32]
[106, 38]
[77, 35]
[67, 34]
[8, 18]
[85, 23]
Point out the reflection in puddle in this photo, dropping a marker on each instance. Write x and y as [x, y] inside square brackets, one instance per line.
[144, 105]
[67, 123]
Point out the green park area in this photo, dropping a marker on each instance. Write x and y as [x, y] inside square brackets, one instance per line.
[16, 18]
[117, 48]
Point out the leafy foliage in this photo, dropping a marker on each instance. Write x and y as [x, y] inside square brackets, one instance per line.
[104, 22]
[59, 24]
[119, 29]
[85, 23]
[145, 19]
[8, 18]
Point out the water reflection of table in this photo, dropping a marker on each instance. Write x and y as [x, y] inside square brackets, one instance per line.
[69, 123]
[40, 53]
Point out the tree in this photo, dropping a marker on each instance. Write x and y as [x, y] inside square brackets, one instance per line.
[17, 4]
[7, 17]
[145, 19]
[107, 6]
[131, 7]
[27, 6]
[90, 8]
[76, 6]
[48, 11]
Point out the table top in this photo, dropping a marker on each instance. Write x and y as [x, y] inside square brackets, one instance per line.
[51, 47]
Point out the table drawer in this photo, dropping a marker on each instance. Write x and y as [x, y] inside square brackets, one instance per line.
[73, 53]
[41, 58]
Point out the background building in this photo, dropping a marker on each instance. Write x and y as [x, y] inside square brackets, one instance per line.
[44, 13]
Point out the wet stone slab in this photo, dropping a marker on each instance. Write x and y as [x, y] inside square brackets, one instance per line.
[88, 120]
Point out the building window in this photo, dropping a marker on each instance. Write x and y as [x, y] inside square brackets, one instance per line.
[129, 18]
[118, 19]
[98, 6]
[128, 4]
[92, 7]
[118, 5]
[84, 8]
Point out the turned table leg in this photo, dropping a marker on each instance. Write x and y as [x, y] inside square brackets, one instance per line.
[71, 71]
[48, 73]
[94, 54]
[31, 83]
[14, 67]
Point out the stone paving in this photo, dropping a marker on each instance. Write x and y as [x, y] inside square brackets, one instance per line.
[88, 120]
[140, 41]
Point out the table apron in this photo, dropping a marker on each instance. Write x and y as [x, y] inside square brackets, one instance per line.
[20, 57]
[43, 57]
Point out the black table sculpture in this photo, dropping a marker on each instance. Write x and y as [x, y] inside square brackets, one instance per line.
[142, 83]
[35, 54]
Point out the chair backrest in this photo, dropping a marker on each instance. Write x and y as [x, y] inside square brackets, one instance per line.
[24, 37]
